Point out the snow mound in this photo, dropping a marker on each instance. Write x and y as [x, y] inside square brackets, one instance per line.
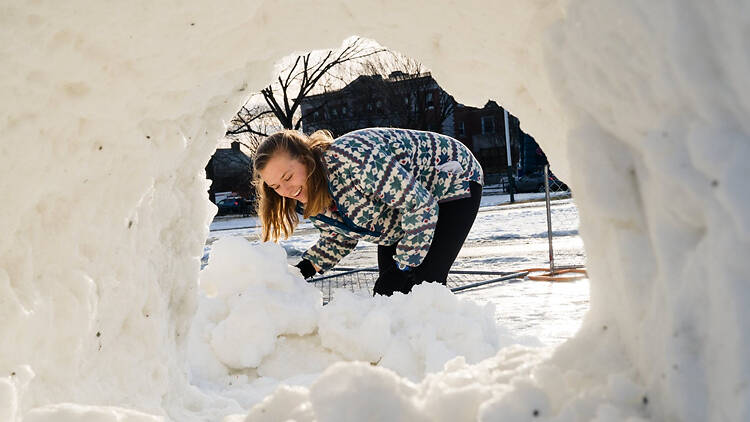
[411, 334]
[258, 316]
[257, 300]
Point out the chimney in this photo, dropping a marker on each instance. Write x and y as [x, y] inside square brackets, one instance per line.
[236, 146]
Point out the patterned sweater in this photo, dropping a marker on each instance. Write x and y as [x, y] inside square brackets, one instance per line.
[386, 186]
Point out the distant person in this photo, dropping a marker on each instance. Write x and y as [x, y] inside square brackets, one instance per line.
[415, 194]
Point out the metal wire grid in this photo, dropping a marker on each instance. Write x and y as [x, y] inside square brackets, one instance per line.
[562, 229]
[363, 279]
[567, 250]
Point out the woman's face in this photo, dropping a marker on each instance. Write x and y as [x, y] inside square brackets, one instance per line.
[287, 176]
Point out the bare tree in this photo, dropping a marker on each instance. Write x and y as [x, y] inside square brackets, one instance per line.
[303, 76]
[252, 124]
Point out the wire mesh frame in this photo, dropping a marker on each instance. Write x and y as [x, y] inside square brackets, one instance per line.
[559, 226]
[363, 280]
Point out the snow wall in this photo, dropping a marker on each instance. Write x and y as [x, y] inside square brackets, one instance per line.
[111, 111]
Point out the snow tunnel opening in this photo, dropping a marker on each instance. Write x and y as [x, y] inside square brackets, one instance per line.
[363, 90]
[362, 84]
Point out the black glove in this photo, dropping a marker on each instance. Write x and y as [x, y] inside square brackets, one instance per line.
[395, 280]
[306, 267]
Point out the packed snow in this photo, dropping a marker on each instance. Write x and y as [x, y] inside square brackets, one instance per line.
[257, 312]
[110, 113]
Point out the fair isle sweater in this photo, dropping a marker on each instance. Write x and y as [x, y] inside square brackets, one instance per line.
[387, 185]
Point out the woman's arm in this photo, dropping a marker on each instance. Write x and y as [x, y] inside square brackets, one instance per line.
[329, 250]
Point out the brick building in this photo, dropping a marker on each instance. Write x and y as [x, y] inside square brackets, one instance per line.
[483, 130]
[410, 101]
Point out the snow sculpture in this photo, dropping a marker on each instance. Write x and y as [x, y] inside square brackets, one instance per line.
[110, 113]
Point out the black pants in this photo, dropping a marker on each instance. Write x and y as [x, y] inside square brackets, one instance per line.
[455, 219]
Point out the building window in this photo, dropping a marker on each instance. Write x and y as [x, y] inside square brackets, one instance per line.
[316, 116]
[488, 124]
[343, 111]
[334, 113]
[428, 100]
[369, 106]
[462, 128]
[406, 100]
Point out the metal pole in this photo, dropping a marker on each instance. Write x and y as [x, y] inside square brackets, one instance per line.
[521, 274]
[512, 182]
[549, 219]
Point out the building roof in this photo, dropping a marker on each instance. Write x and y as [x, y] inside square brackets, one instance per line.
[230, 160]
[395, 77]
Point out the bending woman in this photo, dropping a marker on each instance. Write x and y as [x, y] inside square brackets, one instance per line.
[415, 194]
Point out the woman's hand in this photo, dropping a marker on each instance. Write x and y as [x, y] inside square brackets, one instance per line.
[395, 280]
[307, 268]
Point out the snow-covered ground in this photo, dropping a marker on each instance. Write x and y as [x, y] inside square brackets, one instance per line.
[506, 237]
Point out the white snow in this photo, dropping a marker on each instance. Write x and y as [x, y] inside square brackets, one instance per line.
[259, 322]
[257, 301]
[109, 114]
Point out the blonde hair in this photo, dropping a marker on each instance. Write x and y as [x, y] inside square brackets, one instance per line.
[277, 214]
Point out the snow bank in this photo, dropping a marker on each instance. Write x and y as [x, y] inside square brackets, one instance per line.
[110, 113]
[260, 320]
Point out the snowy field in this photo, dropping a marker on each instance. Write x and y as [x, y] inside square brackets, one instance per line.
[507, 237]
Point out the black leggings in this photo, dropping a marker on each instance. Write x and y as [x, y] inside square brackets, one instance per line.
[455, 219]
